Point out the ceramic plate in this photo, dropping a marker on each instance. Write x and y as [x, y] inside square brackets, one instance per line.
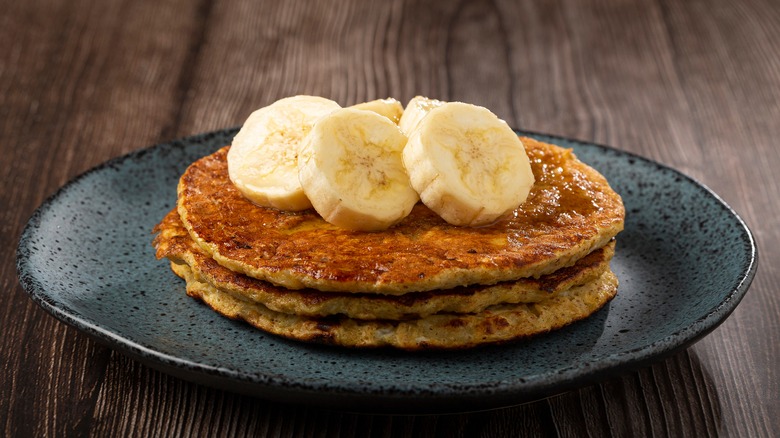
[684, 261]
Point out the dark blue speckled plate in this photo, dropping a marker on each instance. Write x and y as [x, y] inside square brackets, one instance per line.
[684, 261]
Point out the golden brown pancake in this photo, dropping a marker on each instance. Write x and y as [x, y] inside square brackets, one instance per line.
[570, 211]
[174, 242]
[496, 324]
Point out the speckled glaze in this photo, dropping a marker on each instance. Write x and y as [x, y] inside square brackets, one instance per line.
[685, 260]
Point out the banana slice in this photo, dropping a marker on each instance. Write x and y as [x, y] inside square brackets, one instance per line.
[467, 164]
[262, 161]
[390, 108]
[350, 167]
[415, 111]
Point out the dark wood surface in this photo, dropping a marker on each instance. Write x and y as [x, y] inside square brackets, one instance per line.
[693, 84]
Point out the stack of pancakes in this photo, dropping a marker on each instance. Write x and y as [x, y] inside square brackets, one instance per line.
[420, 284]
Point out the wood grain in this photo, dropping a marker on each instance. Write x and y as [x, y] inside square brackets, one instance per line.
[691, 84]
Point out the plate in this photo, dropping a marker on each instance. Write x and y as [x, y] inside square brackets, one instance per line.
[685, 260]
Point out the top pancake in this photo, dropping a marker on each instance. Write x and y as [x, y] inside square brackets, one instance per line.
[570, 211]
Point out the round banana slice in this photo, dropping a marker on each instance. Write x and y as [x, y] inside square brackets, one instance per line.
[467, 164]
[350, 168]
[263, 159]
[390, 108]
[415, 111]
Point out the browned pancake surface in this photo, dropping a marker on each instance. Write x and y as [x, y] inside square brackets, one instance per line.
[570, 211]
[496, 324]
[174, 242]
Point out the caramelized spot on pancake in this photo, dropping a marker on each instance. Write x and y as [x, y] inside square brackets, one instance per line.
[456, 322]
[570, 211]
[561, 193]
[326, 324]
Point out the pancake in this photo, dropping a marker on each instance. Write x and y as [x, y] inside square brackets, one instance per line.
[174, 242]
[570, 211]
[495, 324]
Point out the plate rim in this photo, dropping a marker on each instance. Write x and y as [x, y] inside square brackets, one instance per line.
[497, 395]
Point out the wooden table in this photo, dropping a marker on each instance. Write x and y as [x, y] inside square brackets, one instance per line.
[693, 84]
